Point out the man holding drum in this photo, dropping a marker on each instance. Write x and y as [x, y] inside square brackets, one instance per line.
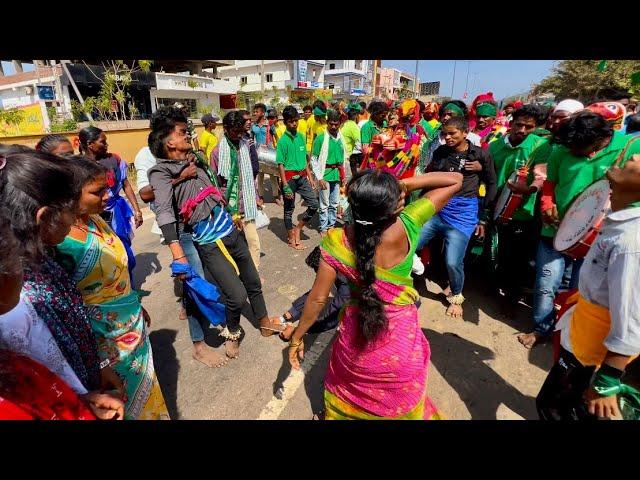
[514, 160]
[602, 329]
[588, 147]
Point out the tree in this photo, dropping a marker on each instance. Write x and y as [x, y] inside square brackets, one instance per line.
[116, 80]
[583, 79]
[275, 100]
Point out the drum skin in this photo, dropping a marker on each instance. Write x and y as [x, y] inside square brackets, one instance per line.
[583, 220]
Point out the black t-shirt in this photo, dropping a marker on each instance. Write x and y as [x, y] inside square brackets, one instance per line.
[446, 159]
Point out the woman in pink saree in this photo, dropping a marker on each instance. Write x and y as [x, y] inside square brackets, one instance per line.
[380, 357]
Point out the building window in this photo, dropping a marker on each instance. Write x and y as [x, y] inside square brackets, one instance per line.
[269, 77]
[331, 85]
[332, 66]
[243, 80]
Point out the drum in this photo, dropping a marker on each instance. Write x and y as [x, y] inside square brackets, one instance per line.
[267, 155]
[583, 221]
[508, 202]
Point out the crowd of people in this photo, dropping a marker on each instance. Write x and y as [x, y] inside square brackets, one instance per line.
[397, 187]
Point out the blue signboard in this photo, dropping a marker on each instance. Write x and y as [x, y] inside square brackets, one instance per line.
[46, 93]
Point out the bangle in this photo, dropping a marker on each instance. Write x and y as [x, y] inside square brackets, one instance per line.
[179, 258]
[292, 344]
[104, 364]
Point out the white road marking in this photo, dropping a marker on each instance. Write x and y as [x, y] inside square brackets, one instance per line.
[274, 408]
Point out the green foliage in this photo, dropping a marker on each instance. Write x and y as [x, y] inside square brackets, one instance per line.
[57, 126]
[582, 79]
[192, 83]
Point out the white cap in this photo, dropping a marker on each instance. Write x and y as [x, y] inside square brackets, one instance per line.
[569, 105]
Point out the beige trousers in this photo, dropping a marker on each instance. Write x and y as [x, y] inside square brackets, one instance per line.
[253, 240]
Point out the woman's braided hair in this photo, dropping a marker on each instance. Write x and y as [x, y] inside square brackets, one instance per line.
[373, 197]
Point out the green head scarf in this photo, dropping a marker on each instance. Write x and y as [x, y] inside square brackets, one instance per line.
[319, 112]
[452, 107]
[486, 110]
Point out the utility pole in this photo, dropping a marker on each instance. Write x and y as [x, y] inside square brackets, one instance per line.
[375, 79]
[73, 84]
[455, 62]
[262, 77]
[466, 85]
[415, 81]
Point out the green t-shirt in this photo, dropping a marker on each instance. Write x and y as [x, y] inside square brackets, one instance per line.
[508, 159]
[572, 175]
[368, 130]
[351, 134]
[335, 156]
[292, 152]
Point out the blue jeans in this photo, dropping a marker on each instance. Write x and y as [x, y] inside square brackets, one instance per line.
[455, 247]
[329, 200]
[195, 327]
[551, 267]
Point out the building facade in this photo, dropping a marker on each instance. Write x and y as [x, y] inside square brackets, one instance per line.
[299, 79]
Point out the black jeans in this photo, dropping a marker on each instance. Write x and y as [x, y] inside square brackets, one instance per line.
[354, 162]
[234, 289]
[517, 243]
[301, 186]
[560, 397]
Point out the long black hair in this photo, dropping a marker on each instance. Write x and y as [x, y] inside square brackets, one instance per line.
[373, 197]
[88, 135]
[28, 182]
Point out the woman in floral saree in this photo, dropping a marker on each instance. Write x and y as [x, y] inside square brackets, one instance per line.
[97, 260]
[379, 361]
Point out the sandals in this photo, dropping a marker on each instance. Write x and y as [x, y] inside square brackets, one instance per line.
[274, 326]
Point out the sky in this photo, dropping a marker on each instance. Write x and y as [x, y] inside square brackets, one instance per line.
[502, 77]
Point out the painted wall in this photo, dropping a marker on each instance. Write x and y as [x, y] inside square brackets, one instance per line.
[125, 143]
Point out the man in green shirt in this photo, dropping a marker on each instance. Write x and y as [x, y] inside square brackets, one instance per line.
[327, 159]
[379, 111]
[517, 238]
[293, 162]
[588, 148]
[351, 134]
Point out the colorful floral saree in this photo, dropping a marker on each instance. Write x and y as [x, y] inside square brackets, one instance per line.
[99, 267]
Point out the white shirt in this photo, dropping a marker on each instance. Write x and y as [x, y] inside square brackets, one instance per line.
[23, 331]
[144, 161]
[609, 278]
